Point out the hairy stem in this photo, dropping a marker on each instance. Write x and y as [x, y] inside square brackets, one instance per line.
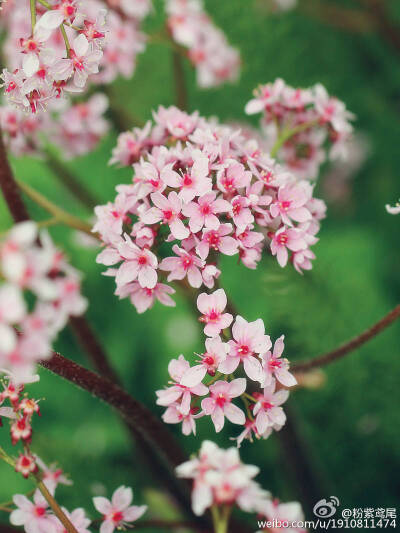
[350, 346]
[136, 414]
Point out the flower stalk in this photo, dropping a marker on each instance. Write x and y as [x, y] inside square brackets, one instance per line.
[289, 133]
[57, 212]
[33, 14]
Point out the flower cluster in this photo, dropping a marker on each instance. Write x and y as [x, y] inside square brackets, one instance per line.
[74, 129]
[39, 291]
[306, 119]
[208, 49]
[191, 393]
[208, 191]
[20, 411]
[36, 516]
[221, 480]
[58, 53]
[78, 128]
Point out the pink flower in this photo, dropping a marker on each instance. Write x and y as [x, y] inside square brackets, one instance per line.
[52, 476]
[219, 404]
[25, 464]
[130, 145]
[34, 516]
[144, 298]
[284, 239]
[212, 307]
[118, 512]
[232, 178]
[174, 415]
[194, 183]
[217, 240]
[137, 264]
[276, 366]
[266, 96]
[302, 260]
[290, 205]
[215, 354]
[167, 211]
[250, 339]
[210, 273]
[241, 213]
[178, 123]
[83, 62]
[280, 513]
[112, 216]
[267, 410]
[186, 264]
[178, 369]
[204, 211]
[220, 478]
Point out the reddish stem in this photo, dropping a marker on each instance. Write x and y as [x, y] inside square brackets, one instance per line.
[136, 414]
[353, 344]
[10, 188]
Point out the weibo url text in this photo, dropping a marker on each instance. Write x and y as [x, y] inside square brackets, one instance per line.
[331, 523]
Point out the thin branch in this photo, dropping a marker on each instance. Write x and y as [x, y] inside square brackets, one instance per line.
[62, 173]
[57, 212]
[59, 513]
[179, 80]
[344, 18]
[121, 119]
[10, 188]
[348, 347]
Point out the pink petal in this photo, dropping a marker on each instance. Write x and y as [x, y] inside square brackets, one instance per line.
[234, 414]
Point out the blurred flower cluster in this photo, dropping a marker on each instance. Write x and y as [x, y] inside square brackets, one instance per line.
[208, 49]
[221, 480]
[308, 124]
[39, 291]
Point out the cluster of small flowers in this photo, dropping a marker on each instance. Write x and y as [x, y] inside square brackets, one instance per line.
[21, 411]
[207, 187]
[36, 516]
[247, 349]
[74, 129]
[208, 49]
[52, 288]
[221, 479]
[43, 65]
[311, 117]
[69, 43]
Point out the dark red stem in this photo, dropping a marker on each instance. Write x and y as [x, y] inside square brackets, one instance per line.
[10, 188]
[350, 346]
[135, 414]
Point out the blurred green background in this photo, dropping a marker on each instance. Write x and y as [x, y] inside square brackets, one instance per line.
[351, 423]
